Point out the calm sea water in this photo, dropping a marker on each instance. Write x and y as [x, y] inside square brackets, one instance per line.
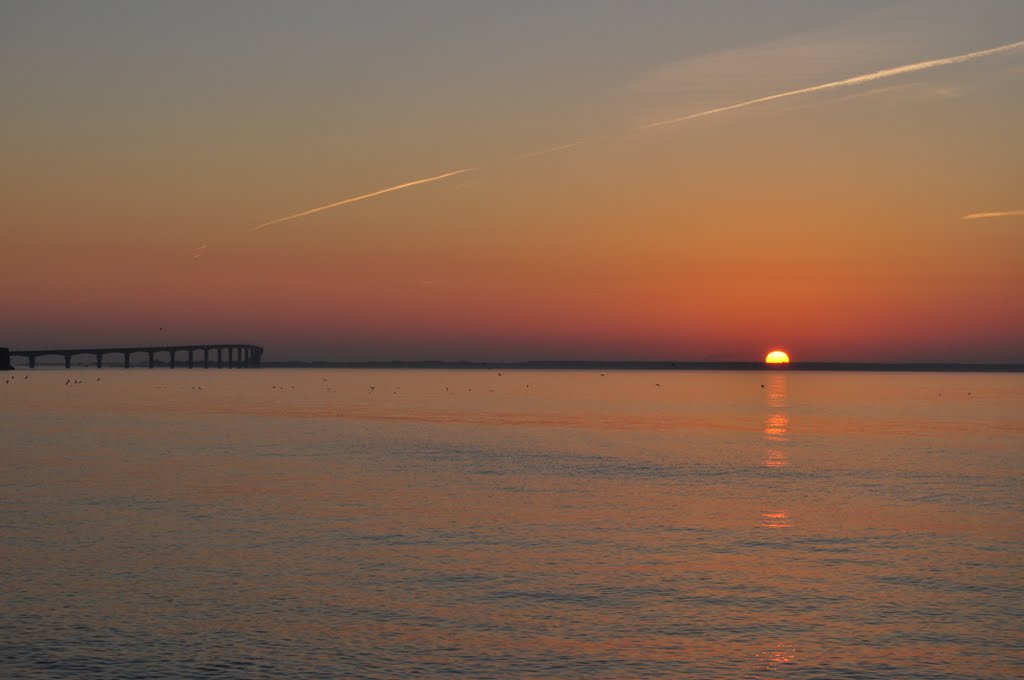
[389, 524]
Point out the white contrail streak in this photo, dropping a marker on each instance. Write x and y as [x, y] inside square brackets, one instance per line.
[986, 215]
[847, 82]
[362, 197]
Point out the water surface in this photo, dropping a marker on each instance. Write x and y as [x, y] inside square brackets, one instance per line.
[485, 524]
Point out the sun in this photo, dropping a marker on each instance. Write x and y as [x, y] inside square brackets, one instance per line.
[776, 356]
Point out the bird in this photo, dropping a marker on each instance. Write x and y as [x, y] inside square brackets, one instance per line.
[762, 386]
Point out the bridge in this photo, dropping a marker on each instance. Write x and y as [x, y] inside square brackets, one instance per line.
[218, 356]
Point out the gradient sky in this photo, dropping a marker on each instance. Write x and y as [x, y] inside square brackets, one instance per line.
[144, 143]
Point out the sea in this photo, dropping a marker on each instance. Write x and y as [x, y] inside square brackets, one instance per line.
[350, 523]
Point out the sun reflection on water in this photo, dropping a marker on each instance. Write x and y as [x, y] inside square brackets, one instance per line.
[774, 433]
[777, 519]
[775, 458]
[771, 660]
[776, 425]
[776, 387]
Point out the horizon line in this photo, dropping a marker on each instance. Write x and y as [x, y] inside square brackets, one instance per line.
[666, 364]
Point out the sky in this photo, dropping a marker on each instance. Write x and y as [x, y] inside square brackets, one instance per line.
[503, 181]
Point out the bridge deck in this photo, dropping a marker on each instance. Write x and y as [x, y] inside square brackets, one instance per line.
[234, 355]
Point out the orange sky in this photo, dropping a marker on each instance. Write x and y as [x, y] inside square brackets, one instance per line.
[137, 164]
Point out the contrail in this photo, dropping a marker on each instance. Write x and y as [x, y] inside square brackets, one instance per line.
[847, 82]
[363, 197]
[855, 80]
[545, 152]
[986, 215]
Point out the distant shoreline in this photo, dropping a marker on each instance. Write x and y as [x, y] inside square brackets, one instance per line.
[554, 365]
[931, 367]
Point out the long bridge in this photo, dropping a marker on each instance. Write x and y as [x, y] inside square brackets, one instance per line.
[218, 356]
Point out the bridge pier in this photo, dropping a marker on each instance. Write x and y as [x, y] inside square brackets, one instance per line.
[190, 362]
[5, 359]
[206, 357]
[127, 359]
[151, 358]
[32, 361]
[220, 361]
[172, 353]
[67, 360]
[99, 359]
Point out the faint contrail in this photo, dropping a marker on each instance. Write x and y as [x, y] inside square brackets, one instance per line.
[855, 80]
[363, 197]
[985, 215]
[545, 152]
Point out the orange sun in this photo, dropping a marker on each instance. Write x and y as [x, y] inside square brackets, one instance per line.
[776, 356]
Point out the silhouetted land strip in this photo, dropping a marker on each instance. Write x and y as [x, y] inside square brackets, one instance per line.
[658, 366]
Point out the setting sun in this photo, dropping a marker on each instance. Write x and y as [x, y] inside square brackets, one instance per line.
[776, 356]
